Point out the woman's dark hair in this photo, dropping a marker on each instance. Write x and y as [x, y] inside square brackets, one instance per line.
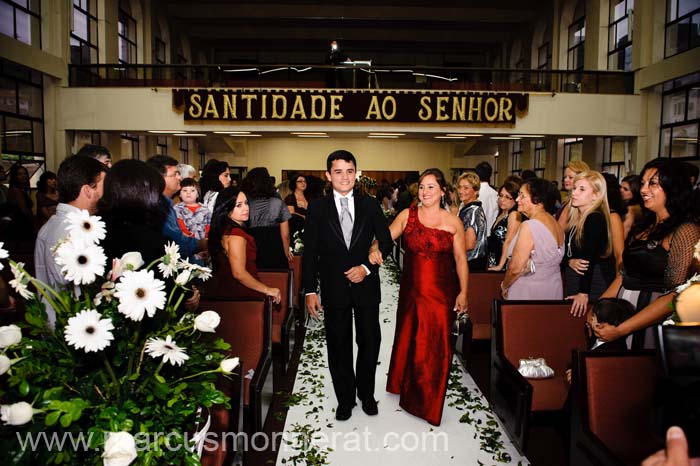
[293, 180]
[613, 311]
[511, 188]
[633, 181]
[209, 181]
[674, 180]
[257, 184]
[220, 222]
[14, 169]
[542, 192]
[615, 201]
[132, 194]
[42, 185]
[439, 176]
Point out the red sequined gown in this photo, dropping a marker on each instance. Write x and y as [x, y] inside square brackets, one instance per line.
[422, 351]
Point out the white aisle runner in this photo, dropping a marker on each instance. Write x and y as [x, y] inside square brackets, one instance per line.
[394, 437]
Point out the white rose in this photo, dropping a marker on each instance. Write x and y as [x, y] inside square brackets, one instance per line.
[120, 449]
[129, 261]
[5, 364]
[207, 321]
[16, 414]
[229, 364]
[9, 335]
[183, 277]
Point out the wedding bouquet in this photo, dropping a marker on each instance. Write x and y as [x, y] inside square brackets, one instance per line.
[125, 375]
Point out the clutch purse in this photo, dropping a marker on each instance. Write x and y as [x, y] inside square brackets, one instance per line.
[460, 324]
[535, 368]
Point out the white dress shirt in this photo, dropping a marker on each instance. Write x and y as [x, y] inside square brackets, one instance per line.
[351, 208]
[489, 202]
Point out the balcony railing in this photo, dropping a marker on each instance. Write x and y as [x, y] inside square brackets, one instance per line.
[359, 77]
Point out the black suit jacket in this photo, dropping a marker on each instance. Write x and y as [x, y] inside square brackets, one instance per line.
[326, 255]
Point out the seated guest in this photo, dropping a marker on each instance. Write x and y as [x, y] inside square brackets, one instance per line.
[81, 187]
[192, 216]
[167, 167]
[131, 210]
[505, 226]
[269, 221]
[474, 220]
[538, 247]
[232, 250]
[46, 197]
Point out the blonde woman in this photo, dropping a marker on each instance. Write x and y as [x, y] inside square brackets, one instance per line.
[573, 168]
[589, 258]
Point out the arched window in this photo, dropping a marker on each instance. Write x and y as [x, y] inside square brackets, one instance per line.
[577, 37]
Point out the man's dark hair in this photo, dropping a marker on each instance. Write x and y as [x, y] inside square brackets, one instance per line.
[161, 163]
[484, 171]
[613, 311]
[93, 151]
[339, 155]
[526, 175]
[76, 172]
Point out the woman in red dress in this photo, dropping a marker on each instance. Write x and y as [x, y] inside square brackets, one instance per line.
[433, 288]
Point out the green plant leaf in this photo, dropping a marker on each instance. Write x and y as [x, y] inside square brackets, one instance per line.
[66, 420]
[52, 418]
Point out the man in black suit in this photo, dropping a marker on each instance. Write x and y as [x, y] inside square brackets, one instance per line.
[338, 233]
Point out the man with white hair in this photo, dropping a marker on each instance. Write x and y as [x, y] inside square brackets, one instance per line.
[186, 171]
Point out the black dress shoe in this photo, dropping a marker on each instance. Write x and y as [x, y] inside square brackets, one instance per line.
[369, 406]
[343, 412]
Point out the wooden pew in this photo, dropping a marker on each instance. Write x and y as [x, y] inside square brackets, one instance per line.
[524, 329]
[247, 326]
[282, 315]
[298, 298]
[612, 408]
[483, 289]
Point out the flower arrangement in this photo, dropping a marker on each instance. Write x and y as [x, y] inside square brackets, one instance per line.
[366, 184]
[126, 373]
[298, 240]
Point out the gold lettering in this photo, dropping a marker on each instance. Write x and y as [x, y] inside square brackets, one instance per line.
[195, 102]
[459, 106]
[298, 109]
[335, 107]
[472, 100]
[322, 100]
[249, 98]
[425, 113]
[505, 111]
[263, 110]
[441, 104]
[275, 114]
[492, 116]
[210, 107]
[229, 106]
[374, 109]
[387, 115]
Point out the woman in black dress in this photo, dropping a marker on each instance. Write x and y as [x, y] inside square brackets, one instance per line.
[505, 227]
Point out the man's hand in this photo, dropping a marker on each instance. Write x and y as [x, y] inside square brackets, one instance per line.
[356, 274]
[313, 305]
[676, 453]
[375, 257]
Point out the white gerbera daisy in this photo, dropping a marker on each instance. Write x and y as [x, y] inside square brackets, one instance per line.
[197, 271]
[85, 228]
[3, 255]
[88, 330]
[81, 263]
[21, 280]
[170, 261]
[168, 349]
[138, 292]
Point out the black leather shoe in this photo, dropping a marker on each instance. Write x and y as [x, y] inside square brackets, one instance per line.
[369, 406]
[343, 412]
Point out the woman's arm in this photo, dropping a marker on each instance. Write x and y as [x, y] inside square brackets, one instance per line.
[235, 250]
[656, 311]
[521, 254]
[284, 233]
[469, 238]
[460, 255]
[614, 287]
[514, 221]
[617, 230]
[395, 229]
[629, 221]
[564, 215]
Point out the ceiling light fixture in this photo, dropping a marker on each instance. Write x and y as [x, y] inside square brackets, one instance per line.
[166, 131]
[466, 135]
[527, 135]
[312, 136]
[450, 137]
[504, 138]
[309, 133]
[195, 135]
[387, 134]
[382, 137]
[235, 135]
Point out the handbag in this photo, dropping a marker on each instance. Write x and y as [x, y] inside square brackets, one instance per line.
[460, 324]
[535, 368]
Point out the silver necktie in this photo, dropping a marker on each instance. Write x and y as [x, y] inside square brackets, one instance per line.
[345, 221]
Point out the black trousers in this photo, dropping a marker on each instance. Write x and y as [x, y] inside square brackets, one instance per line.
[346, 381]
